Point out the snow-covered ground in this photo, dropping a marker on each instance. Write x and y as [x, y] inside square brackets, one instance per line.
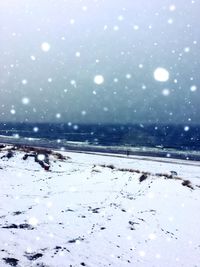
[98, 210]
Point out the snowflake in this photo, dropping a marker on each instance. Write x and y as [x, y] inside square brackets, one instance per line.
[29, 250]
[186, 128]
[158, 256]
[105, 27]
[193, 88]
[35, 129]
[45, 47]
[84, 8]
[170, 21]
[83, 112]
[25, 100]
[41, 157]
[12, 111]
[51, 235]
[78, 54]
[33, 58]
[172, 7]
[98, 79]
[75, 127]
[128, 76]
[186, 49]
[161, 74]
[120, 18]
[136, 27]
[116, 28]
[58, 115]
[33, 221]
[72, 21]
[73, 83]
[166, 92]
[78, 242]
[24, 81]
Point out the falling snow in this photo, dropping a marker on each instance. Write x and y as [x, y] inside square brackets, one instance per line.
[98, 79]
[166, 92]
[24, 81]
[45, 47]
[25, 100]
[12, 111]
[161, 74]
[99, 76]
[193, 88]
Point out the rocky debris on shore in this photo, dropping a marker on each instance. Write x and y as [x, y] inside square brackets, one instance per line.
[40, 155]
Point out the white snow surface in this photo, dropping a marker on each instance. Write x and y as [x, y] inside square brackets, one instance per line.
[92, 210]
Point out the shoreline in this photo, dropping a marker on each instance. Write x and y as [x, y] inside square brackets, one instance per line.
[120, 151]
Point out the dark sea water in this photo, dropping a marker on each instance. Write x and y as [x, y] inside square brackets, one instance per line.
[149, 136]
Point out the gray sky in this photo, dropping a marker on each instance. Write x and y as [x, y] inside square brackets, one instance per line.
[51, 51]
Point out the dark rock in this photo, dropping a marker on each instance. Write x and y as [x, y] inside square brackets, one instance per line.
[11, 226]
[17, 213]
[11, 261]
[9, 155]
[18, 226]
[75, 240]
[132, 223]
[33, 257]
[143, 177]
[25, 157]
[58, 247]
[187, 183]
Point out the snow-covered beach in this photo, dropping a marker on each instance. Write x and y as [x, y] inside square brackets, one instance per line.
[75, 209]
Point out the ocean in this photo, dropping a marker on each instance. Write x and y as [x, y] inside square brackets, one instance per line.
[154, 138]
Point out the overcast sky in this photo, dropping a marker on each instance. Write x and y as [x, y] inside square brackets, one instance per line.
[95, 60]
